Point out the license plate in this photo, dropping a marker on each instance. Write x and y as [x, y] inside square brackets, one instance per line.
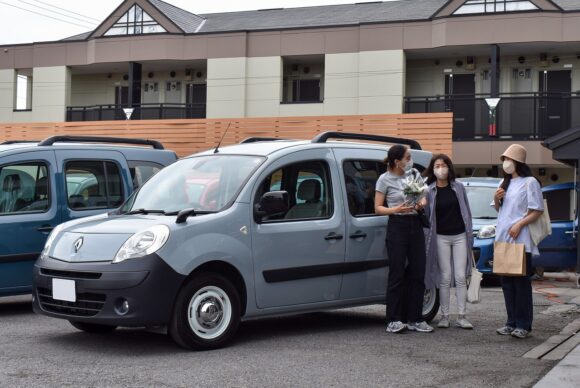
[64, 289]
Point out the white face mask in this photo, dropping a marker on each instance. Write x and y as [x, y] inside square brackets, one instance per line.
[508, 166]
[408, 166]
[441, 172]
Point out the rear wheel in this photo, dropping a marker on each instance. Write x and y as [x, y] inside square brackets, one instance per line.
[206, 313]
[92, 327]
[430, 304]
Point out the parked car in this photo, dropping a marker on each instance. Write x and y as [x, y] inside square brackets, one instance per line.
[59, 179]
[557, 251]
[252, 230]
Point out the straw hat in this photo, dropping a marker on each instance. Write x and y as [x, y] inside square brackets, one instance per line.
[515, 152]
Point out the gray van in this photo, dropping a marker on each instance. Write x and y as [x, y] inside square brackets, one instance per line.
[261, 228]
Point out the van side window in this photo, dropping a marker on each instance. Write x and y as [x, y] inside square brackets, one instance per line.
[142, 171]
[561, 205]
[93, 185]
[309, 190]
[360, 177]
[24, 188]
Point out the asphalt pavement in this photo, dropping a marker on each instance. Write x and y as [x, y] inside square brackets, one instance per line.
[341, 348]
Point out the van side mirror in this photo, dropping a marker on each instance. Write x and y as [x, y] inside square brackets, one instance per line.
[271, 203]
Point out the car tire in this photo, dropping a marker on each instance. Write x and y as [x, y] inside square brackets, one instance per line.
[92, 327]
[430, 304]
[206, 314]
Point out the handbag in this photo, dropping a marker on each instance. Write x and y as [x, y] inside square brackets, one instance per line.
[509, 259]
[474, 289]
[542, 227]
[423, 218]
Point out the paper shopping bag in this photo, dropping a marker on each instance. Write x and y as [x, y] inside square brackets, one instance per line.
[509, 259]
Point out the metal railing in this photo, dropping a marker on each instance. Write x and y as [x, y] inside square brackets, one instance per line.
[520, 116]
[140, 112]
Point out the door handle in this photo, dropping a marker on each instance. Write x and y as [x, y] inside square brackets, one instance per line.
[45, 228]
[358, 234]
[333, 236]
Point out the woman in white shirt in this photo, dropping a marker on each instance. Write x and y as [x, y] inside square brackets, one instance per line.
[519, 203]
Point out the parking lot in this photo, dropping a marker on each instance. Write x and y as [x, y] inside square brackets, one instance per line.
[336, 348]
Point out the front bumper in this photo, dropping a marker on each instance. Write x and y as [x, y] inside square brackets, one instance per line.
[483, 253]
[148, 284]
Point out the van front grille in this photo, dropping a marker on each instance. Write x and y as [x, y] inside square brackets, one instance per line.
[87, 305]
[70, 274]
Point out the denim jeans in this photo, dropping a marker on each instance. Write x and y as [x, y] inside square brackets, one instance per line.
[452, 258]
[517, 292]
[406, 251]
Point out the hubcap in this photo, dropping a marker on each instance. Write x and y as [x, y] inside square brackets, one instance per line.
[429, 299]
[209, 312]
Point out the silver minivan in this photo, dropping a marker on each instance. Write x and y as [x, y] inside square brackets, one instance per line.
[261, 228]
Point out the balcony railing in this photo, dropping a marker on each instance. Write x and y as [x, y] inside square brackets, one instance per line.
[140, 112]
[520, 116]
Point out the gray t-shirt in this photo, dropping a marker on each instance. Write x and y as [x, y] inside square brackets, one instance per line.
[392, 186]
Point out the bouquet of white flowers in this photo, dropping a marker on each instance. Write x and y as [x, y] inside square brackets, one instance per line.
[414, 188]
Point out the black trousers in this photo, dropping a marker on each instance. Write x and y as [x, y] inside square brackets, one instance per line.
[517, 292]
[406, 254]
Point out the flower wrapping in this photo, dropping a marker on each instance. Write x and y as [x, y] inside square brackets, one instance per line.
[414, 188]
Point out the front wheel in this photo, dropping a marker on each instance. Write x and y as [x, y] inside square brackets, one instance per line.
[430, 304]
[206, 314]
[92, 327]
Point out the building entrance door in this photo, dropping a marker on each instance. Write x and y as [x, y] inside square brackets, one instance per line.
[460, 89]
[195, 98]
[554, 112]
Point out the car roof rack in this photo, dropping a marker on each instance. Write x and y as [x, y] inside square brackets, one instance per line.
[258, 139]
[323, 137]
[18, 142]
[99, 139]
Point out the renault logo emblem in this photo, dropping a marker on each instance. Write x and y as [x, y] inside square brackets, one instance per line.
[78, 244]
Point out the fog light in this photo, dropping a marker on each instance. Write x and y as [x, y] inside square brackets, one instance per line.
[121, 306]
[33, 298]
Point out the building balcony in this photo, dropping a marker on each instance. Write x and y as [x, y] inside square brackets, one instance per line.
[158, 111]
[518, 116]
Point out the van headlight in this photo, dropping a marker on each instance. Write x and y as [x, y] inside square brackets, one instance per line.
[143, 243]
[487, 231]
[49, 241]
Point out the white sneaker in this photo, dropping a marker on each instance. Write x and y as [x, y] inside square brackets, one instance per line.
[443, 322]
[422, 327]
[396, 327]
[464, 324]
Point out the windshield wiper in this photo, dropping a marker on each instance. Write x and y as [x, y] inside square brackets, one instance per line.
[485, 218]
[145, 211]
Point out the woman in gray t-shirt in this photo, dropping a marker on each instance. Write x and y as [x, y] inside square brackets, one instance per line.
[405, 245]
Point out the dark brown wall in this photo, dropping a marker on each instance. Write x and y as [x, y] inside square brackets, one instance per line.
[453, 31]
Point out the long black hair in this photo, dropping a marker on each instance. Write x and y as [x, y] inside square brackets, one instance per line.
[396, 152]
[430, 173]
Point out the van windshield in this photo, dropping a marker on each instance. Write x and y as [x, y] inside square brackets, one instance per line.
[205, 183]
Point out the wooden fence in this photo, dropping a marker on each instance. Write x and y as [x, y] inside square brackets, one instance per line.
[431, 130]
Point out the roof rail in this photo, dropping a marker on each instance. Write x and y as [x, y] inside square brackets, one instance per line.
[98, 139]
[323, 137]
[18, 142]
[258, 139]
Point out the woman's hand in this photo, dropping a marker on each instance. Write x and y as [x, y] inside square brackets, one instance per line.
[421, 204]
[403, 208]
[499, 194]
[515, 230]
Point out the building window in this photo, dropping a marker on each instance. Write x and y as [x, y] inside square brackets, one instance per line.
[23, 90]
[135, 22]
[303, 79]
[494, 6]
